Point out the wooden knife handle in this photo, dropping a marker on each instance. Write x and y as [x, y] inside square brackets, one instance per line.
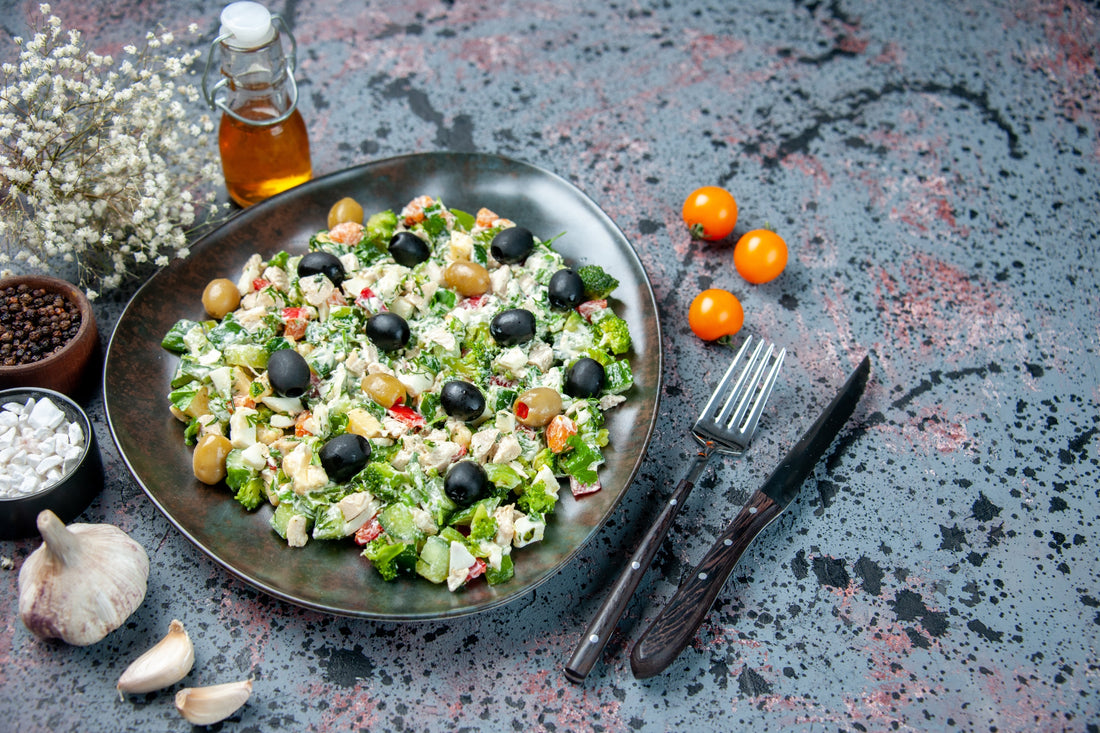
[595, 637]
[675, 626]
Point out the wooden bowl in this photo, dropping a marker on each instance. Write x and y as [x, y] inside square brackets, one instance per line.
[67, 369]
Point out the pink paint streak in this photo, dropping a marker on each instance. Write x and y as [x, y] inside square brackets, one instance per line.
[936, 308]
[1069, 58]
[572, 708]
[347, 709]
[811, 167]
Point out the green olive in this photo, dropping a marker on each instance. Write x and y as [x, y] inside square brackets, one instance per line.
[536, 407]
[220, 297]
[346, 209]
[384, 389]
[467, 278]
[208, 460]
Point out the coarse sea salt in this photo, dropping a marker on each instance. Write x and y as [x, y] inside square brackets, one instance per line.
[39, 446]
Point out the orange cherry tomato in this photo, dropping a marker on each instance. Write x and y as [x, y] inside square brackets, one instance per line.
[760, 255]
[710, 213]
[715, 313]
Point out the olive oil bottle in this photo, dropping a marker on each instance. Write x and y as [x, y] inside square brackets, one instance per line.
[262, 137]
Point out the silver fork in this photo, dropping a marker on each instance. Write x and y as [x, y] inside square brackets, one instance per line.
[726, 425]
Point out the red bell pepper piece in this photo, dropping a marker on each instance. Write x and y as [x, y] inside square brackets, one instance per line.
[409, 416]
[589, 307]
[369, 531]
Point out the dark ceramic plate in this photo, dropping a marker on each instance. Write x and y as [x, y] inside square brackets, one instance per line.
[331, 576]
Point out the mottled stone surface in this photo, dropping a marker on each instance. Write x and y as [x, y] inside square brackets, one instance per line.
[934, 168]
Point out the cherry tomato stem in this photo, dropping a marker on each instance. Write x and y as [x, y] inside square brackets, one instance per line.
[710, 213]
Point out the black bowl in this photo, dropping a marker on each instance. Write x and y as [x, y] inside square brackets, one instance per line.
[68, 497]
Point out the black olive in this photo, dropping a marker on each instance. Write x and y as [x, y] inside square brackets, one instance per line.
[288, 373]
[321, 263]
[462, 400]
[512, 245]
[585, 378]
[388, 331]
[466, 482]
[566, 290]
[513, 326]
[408, 249]
[344, 456]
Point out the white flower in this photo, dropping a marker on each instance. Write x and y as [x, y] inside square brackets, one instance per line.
[100, 165]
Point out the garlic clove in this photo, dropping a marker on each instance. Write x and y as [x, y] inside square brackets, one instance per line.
[163, 665]
[82, 583]
[209, 705]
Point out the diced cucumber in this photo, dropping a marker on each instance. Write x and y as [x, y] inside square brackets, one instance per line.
[503, 476]
[435, 559]
[398, 522]
[253, 356]
[281, 517]
[619, 377]
[506, 399]
[451, 535]
[330, 524]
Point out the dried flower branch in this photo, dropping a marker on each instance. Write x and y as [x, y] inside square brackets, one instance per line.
[101, 164]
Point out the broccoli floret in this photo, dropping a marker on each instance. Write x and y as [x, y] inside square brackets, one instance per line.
[251, 493]
[597, 283]
[244, 480]
[614, 334]
[380, 228]
[382, 479]
[386, 556]
[535, 499]
[483, 528]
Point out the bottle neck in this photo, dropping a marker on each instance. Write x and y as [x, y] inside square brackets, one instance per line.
[257, 81]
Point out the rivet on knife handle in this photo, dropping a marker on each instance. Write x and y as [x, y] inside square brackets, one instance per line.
[675, 627]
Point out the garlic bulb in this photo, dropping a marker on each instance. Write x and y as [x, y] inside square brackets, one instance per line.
[208, 705]
[166, 663]
[82, 583]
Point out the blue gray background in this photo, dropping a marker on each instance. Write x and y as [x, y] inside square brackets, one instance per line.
[935, 169]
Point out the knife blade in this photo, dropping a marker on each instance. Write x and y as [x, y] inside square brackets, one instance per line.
[675, 626]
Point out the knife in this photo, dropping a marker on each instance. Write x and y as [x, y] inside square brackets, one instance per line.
[675, 626]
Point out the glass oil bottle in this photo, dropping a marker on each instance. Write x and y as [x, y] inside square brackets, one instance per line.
[262, 137]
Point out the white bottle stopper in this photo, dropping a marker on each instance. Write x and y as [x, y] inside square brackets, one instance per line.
[248, 25]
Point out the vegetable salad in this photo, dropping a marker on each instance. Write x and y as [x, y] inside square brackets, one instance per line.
[458, 375]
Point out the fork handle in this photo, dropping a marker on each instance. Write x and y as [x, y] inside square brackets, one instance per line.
[595, 637]
[674, 627]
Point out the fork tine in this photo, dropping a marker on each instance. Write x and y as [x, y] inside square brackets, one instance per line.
[720, 390]
[762, 396]
[731, 418]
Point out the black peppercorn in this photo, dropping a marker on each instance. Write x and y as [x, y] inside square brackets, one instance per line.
[34, 324]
